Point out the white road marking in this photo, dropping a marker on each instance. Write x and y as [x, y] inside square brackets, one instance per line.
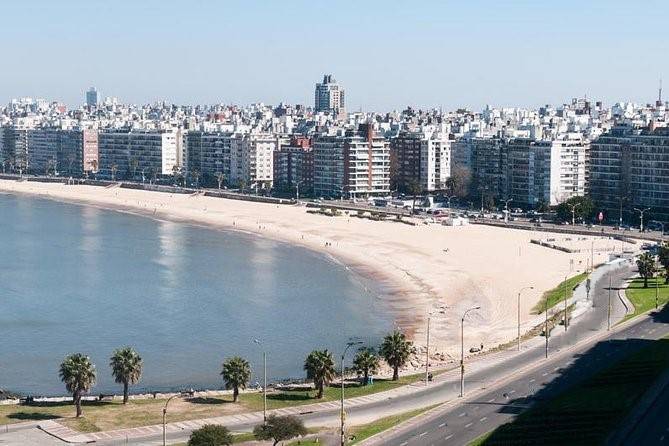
[511, 391]
[468, 425]
[544, 374]
[423, 434]
[491, 400]
[449, 437]
[442, 425]
[462, 414]
[532, 380]
[404, 444]
[483, 419]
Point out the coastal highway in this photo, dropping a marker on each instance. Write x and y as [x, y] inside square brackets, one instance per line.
[482, 374]
[489, 409]
[464, 419]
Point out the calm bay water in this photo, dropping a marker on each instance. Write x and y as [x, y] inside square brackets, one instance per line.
[81, 279]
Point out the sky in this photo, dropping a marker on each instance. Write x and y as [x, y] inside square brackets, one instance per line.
[387, 54]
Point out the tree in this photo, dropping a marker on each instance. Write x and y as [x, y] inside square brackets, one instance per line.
[78, 374]
[583, 208]
[236, 373]
[459, 183]
[279, 428]
[646, 265]
[114, 169]
[211, 435]
[134, 164]
[220, 177]
[396, 350]
[664, 260]
[319, 366]
[414, 189]
[196, 177]
[126, 365]
[366, 362]
[94, 165]
[176, 173]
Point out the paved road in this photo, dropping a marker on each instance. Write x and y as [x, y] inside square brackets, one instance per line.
[490, 409]
[480, 374]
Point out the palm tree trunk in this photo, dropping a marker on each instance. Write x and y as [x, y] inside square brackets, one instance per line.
[125, 392]
[645, 282]
[320, 390]
[396, 373]
[77, 403]
[235, 394]
[366, 378]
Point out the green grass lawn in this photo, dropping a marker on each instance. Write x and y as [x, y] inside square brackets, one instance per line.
[365, 431]
[556, 295]
[642, 298]
[101, 416]
[587, 413]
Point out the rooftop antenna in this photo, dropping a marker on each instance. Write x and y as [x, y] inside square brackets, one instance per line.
[659, 93]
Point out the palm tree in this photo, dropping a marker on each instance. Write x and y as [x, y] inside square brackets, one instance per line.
[396, 350]
[126, 365]
[320, 367]
[114, 168]
[664, 260]
[414, 189]
[366, 362]
[78, 374]
[236, 373]
[646, 265]
[196, 176]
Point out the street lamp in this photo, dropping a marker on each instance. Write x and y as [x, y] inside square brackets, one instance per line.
[427, 346]
[297, 193]
[165, 418]
[641, 212]
[462, 349]
[264, 379]
[573, 213]
[506, 210]
[519, 292]
[343, 355]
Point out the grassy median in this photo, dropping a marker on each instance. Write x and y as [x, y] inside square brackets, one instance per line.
[556, 295]
[102, 416]
[642, 298]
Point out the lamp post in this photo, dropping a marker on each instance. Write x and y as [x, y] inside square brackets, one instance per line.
[264, 381]
[427, 345]
[506, 210]
[519, 292]
[546, 328]
[165, 418]
[573, 213]
[462, 349]
[343, 355]
[641, 212]
[608, 314]
[565, 303]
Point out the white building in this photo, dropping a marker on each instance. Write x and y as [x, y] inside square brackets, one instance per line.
[251, 159]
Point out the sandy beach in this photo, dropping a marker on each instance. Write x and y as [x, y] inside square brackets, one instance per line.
[424, 268]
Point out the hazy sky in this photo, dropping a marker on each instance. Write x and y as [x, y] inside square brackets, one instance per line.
[387, 54]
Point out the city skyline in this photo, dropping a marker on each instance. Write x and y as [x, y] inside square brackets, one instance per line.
[387, 57]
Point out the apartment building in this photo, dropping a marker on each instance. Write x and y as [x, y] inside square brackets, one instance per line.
[294, 166]
[209, 153]
[421, 156]
[353, 164]
[252, 159]
[629, 168]
[132, 152]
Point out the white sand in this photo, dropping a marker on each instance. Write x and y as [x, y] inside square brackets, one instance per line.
[483, 265]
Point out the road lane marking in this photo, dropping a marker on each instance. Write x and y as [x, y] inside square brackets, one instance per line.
[511, 392]
[462, 414]
[483, 419]
[404, 444]
[544, 374]
[423, 434]
[532, 380]
[468, 425]
[442, 425]
[449, 437]
[491, 400]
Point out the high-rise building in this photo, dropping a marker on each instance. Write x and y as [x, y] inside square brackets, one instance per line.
[252, 158]
[127, 153]
[423, 157]
[92, 97]
[294, 166]
[547, 172]
[629, 168]
[355, 164]
[208, 153]
[329, 97]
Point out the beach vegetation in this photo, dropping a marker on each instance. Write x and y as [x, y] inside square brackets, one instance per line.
[320, 368]
[126, 365]
[236, 374]
[78, 374]
[396, 350]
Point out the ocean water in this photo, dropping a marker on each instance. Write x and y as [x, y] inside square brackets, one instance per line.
[81, 279]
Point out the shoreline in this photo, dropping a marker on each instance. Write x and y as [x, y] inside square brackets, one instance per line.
[419, 269]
